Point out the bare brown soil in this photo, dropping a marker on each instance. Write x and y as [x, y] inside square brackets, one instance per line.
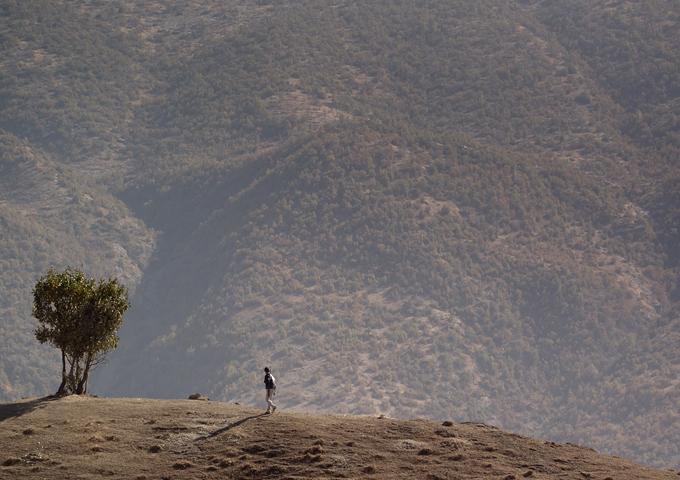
[87, 438]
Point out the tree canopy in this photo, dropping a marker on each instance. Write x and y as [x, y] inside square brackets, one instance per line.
[81, 317]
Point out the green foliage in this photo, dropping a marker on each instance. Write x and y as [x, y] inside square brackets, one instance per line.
[633, 51]
[81, 317]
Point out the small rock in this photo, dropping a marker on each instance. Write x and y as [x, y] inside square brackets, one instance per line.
[369, 469]
[425, 451]
[273, 471]
[509, 477]
[197, 396]
[255, 449]
[447, 424]
[28, 431]
[11, 461]
[97, 449]
[457, 458]
[34, 458]
[182, 465]
[432, 476]
[528, 473]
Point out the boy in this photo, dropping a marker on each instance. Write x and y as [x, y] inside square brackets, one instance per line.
[270, 385]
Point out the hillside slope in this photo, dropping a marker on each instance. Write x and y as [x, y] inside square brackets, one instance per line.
[380, 199]
[52, 216]
[140, 439]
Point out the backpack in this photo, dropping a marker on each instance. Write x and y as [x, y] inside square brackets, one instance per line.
[269, 381]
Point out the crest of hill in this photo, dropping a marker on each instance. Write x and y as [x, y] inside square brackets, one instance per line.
[140, 438]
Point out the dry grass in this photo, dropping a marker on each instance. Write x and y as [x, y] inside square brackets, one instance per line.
[83, 437]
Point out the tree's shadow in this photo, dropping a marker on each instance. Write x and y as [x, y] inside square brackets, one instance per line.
[12, 410]
[229, 427]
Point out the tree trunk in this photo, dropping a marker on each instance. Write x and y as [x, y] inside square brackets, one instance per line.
[82, 384]
[62, 387]
[78, 376]
[70, 382]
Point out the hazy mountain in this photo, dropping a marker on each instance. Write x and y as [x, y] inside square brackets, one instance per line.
[442, 208]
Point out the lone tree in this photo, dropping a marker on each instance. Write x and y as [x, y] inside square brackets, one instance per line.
[80, 316]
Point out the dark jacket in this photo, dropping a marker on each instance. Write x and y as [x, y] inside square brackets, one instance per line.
[269, 381]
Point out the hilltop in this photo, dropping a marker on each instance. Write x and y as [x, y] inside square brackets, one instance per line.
[379, 199]
[144, 439]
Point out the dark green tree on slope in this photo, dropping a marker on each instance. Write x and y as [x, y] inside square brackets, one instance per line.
[80, 316]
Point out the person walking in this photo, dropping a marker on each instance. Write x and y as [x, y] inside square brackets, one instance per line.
[270, 385]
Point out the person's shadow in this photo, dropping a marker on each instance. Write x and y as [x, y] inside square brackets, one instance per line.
[12, 410]
[229, 427]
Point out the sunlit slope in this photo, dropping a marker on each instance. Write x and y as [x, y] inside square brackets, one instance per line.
[141, 438]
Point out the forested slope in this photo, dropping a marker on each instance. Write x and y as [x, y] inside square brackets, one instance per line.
[442, 209]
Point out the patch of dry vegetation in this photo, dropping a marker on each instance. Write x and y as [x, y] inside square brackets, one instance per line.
[142, 439]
